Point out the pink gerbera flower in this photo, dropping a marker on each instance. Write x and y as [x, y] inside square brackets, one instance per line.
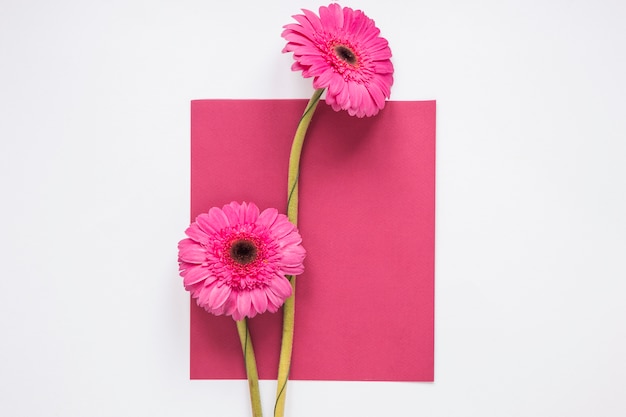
[343, 52]
[235, 259]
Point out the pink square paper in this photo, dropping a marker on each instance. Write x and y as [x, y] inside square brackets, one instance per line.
[365, 304]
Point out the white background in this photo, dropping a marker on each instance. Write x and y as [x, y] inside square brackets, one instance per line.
[531, 196]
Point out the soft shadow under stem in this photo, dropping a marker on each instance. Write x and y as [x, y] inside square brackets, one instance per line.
[251, 370]
[286, 347]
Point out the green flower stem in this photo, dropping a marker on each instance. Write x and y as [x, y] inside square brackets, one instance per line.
[286, 347]
[251, 370]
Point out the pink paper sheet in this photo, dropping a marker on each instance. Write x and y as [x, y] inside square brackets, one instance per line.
[365, 304]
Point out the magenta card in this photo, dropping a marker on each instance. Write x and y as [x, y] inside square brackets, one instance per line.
[365, 303]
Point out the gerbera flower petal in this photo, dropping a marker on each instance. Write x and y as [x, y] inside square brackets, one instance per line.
[230, 306]
[316, 24]
[205, 293]
[290, 240]
[204, 224]
[267, 218]
[293, 256]
[356, 96]
[251, 213]
[293, 270]
[259, 299]
[336, 84]
[194, 274]
[377, 95]
[195, 233]
[244, 305]
[219, 295]
[190, 251]
[281, 287]
[235, 259]
[331, 16]
[341, 49]
[323, 80]
[343, 96]
[273, 302]
[293, 250]
[310, 24]
[233, 214]
[216, 219]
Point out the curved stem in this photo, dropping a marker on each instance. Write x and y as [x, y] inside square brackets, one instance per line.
[251, 370]
[286, 347]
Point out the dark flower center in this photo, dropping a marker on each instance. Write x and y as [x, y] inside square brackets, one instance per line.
[346, 54]
[243, 251]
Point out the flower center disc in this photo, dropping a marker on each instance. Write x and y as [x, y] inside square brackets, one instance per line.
[243, 251]
[345, 54]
